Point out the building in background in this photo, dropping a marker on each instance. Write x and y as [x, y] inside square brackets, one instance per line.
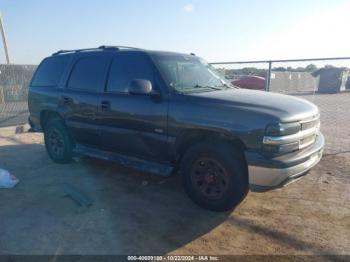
[332, 79]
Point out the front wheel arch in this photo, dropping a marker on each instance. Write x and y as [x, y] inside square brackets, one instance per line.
[191, 137]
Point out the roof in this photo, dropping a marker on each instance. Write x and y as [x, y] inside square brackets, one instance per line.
[116, 48]
[326, 70]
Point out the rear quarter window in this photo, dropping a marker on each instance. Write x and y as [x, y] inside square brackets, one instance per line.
[50, 71]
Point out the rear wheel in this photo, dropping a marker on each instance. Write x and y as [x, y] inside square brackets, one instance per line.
[58, 142]
[214, 175]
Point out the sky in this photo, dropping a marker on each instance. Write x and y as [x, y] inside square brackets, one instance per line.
[221, 30]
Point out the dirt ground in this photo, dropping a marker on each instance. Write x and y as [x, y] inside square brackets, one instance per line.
[136, 213]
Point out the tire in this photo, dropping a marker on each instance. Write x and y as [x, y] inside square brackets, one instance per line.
[58, 142]
[227, 179]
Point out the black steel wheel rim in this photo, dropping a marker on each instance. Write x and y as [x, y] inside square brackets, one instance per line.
[56, 142]
[209, 178]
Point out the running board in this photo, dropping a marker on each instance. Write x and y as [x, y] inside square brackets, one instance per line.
[133, 162]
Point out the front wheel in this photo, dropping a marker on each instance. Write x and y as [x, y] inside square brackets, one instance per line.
[214, 175]
[57, 141]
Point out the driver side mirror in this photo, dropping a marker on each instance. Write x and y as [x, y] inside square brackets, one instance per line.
[140, 87]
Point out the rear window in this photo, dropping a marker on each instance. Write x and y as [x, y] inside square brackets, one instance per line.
[89, 73]
[50, 71]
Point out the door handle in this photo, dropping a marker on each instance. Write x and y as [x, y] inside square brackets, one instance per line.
[105, 105]
[67, 100]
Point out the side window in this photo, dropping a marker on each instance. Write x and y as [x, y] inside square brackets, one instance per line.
[50, 71]
[89, 73]
[127, 67]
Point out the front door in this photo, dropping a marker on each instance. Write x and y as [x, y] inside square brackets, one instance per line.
[135, 125]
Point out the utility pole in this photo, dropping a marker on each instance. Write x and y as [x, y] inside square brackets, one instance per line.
[4, 40]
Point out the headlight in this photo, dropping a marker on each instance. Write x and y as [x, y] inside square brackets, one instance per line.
[282, 129]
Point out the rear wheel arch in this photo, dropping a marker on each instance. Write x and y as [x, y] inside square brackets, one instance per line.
[47, 115]
[58, 141]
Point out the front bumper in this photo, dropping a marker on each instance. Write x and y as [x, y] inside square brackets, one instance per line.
[266, 174]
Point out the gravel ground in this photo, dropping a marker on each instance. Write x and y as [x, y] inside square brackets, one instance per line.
[136, 213]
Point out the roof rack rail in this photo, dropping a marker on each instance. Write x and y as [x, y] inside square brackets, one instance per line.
[102, 47]
[117, 47]
[74, 51]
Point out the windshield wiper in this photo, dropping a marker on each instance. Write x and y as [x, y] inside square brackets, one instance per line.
[210, 87]
[226, 85]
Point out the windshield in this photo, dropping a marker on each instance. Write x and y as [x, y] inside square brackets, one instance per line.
[186, 73]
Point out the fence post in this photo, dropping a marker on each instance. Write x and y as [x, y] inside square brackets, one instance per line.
[2, 95]
[268, 77]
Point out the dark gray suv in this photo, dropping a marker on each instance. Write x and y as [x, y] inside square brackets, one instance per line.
[167, 113]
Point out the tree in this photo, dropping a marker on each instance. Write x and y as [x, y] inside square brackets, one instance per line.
[311, 68]
[280, 69]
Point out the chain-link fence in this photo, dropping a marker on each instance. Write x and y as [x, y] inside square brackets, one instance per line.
[14, 80]
[325, 82]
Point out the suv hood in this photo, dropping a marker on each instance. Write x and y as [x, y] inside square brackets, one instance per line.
[284, 107]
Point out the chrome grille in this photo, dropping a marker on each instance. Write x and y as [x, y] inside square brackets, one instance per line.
[306, 136]
[308, 124]
[307, 141]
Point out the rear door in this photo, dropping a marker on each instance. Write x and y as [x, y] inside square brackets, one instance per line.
[134, 125]
[80, 98]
